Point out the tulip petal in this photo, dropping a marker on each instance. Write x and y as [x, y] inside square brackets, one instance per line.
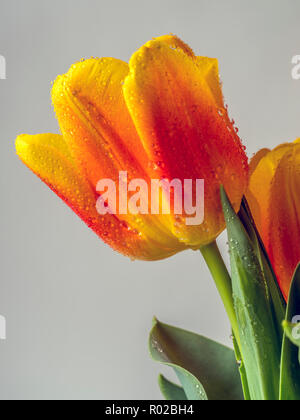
[273, 196]
[263, 167]
[175, 42]
[48, 156]
[209, 67]
[284, 219]
[99, 131]
[259, 169]
[96, 125]
[175, 102]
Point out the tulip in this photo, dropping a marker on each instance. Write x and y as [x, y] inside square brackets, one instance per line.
[160, 117]
[274, 200]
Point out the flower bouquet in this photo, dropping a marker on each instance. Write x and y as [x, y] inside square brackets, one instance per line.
[149, 159]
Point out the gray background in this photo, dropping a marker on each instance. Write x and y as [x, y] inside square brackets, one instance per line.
[78, 314]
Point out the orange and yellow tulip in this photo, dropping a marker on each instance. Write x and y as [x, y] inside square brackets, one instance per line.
[160, 116]
[274, 200]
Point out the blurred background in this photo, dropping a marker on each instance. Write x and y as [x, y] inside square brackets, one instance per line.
[78, 314]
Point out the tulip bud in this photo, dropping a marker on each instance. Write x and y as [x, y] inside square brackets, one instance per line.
[161, 118]
[274, 199]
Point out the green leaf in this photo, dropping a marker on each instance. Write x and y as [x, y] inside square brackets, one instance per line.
[260, 347]
[277, 302]
[290, 369]
[171, 391]
[206, 369]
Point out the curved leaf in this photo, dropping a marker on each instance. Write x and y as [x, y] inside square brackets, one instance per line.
[260, 345]
[277, 301]
[171, 391]
[206, 369]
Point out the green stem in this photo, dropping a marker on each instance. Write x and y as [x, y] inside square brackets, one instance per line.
[220, 274]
